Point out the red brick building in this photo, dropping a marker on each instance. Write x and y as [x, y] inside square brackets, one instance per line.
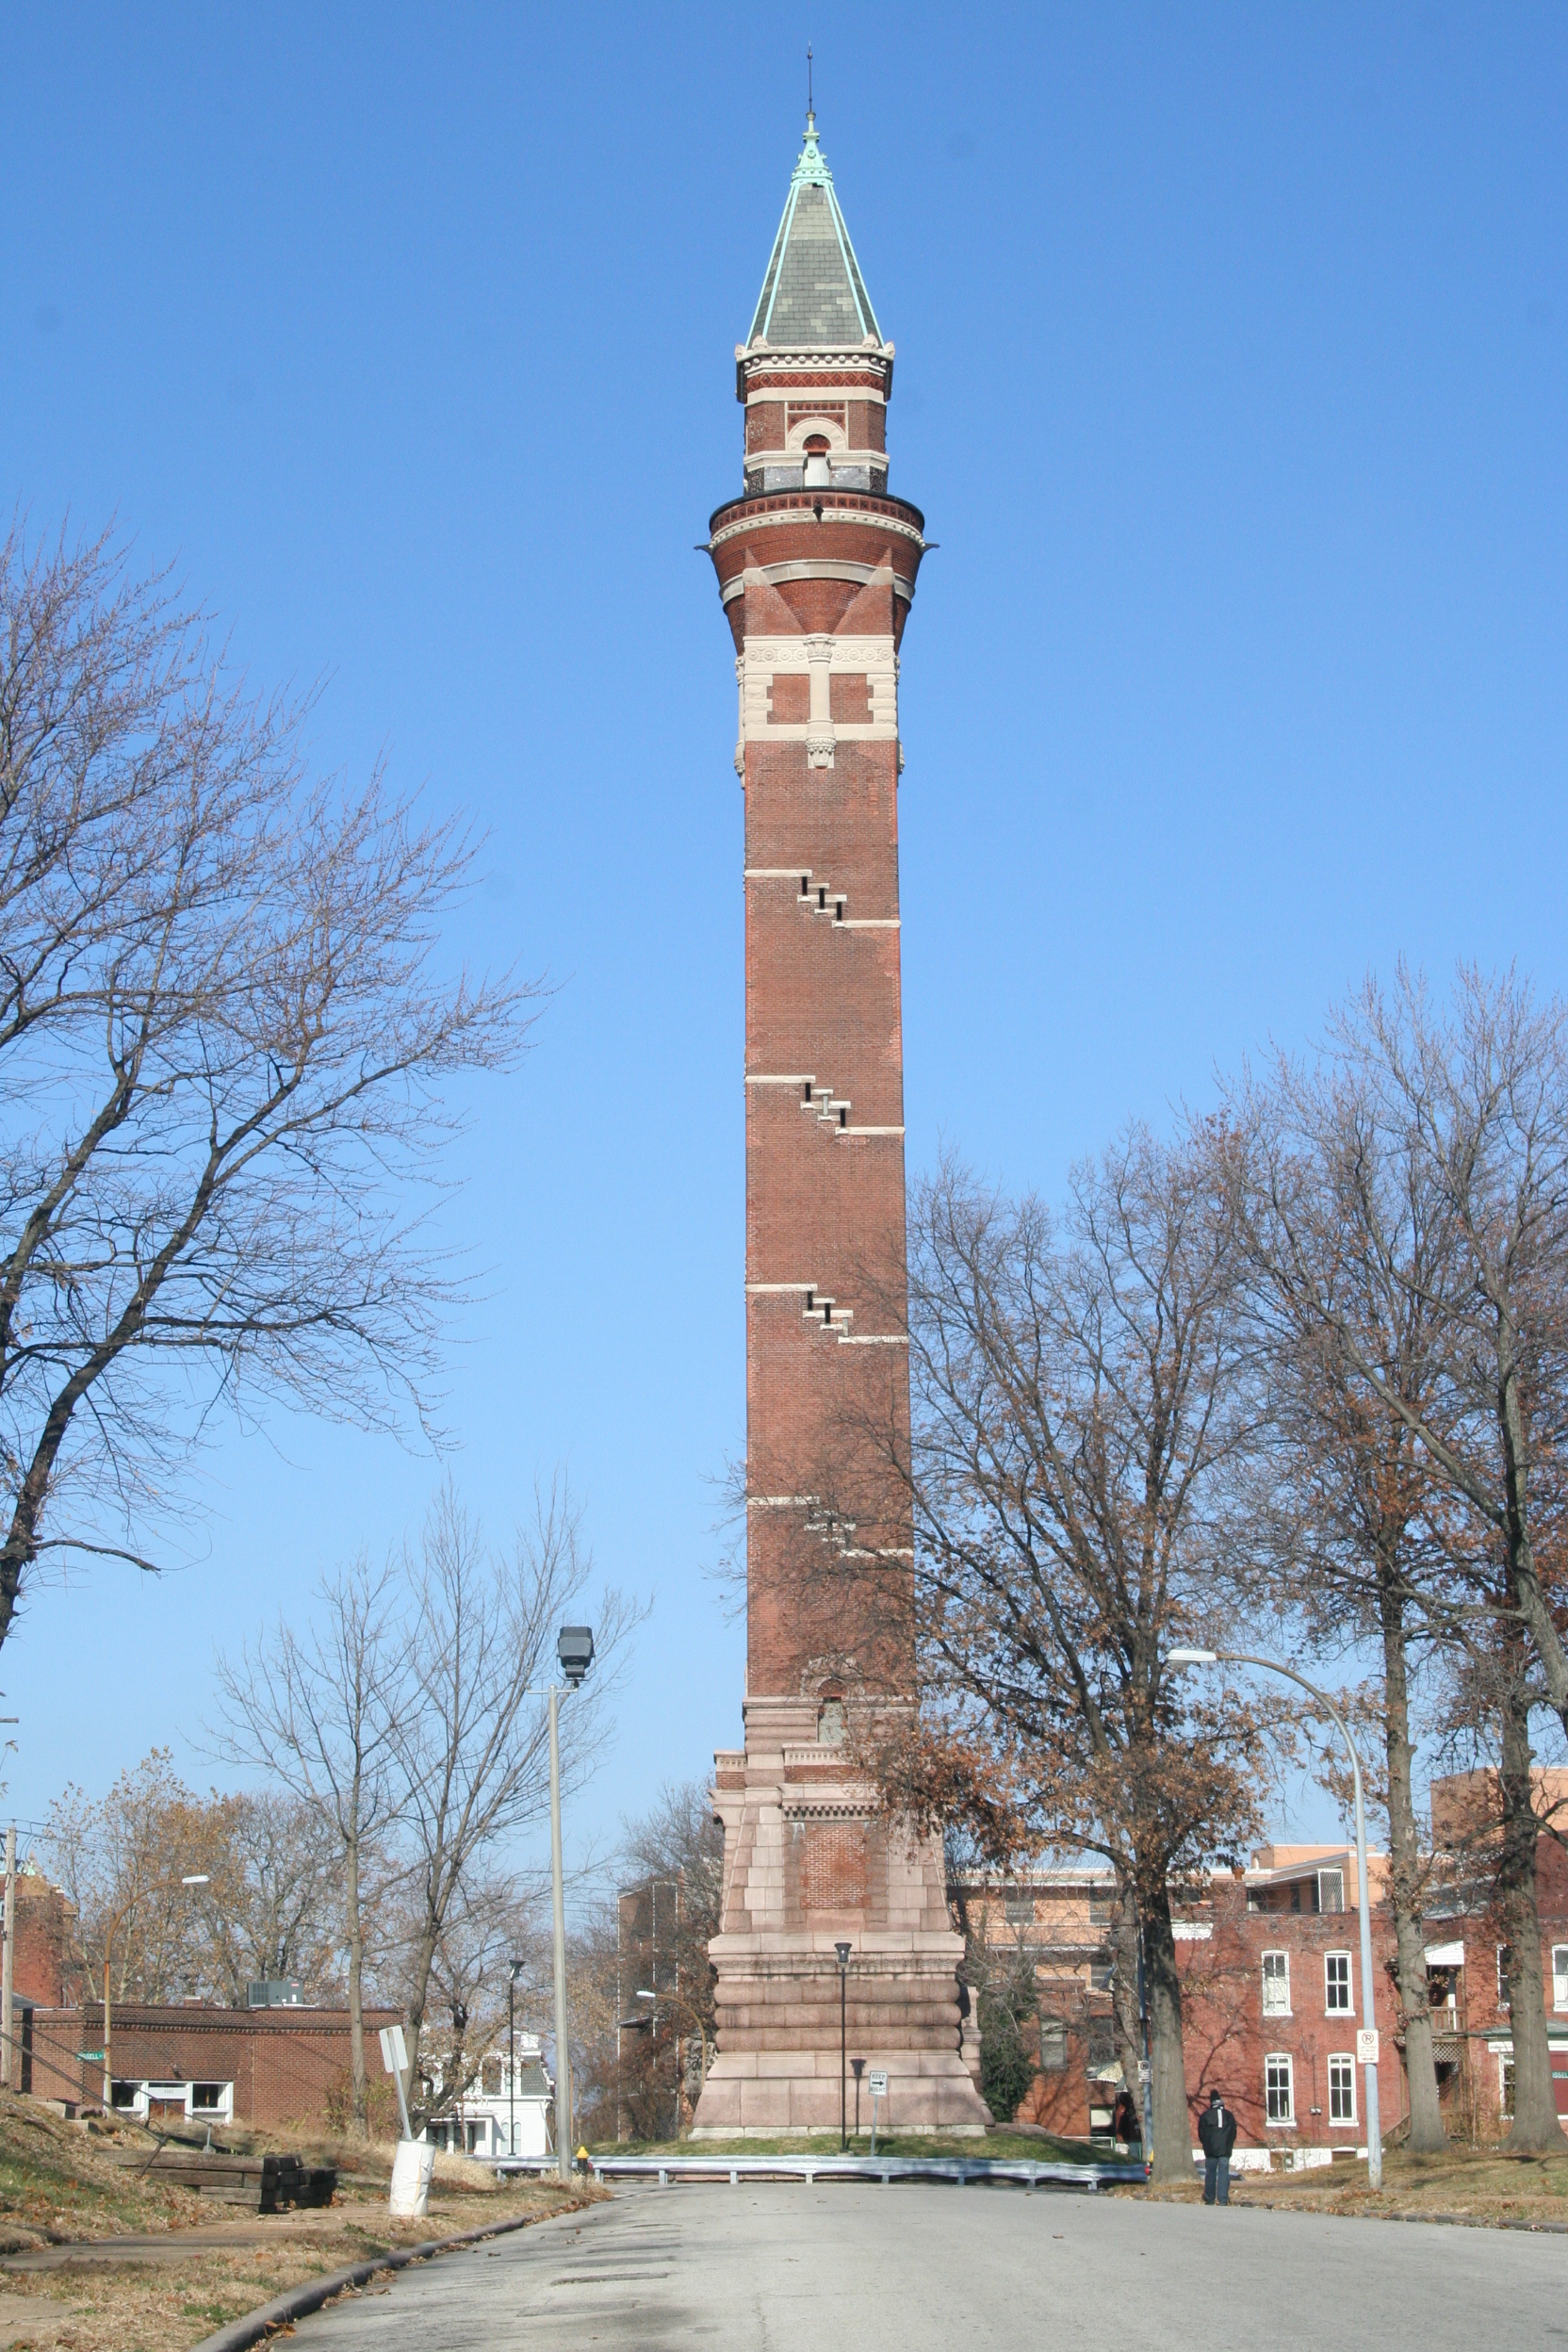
[272, 2068]
[42, 1960]
[816, 562]
[1271, 1990]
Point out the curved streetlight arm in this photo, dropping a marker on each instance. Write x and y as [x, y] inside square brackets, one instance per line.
[1368, 2011]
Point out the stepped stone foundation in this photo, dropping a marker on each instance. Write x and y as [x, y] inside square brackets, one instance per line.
[805, 1863]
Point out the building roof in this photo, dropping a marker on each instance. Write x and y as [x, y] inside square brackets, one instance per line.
[813, 295]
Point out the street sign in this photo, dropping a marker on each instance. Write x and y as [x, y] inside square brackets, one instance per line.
[394, 2050]
[877, 2078]
[1366, 2047]
[95, 2055]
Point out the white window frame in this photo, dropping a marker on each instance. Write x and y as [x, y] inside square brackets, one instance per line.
[1346, 2059]
[1331, 2007]
[1287, 2121]
[1281, 1977]
[1559, 1976]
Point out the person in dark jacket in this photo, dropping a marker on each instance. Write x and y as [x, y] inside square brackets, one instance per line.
[1126, 2124]
[1217, 2134]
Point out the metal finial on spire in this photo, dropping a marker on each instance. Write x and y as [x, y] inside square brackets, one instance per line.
[810, 109]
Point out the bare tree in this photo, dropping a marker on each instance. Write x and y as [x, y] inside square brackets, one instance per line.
[1082, 1405]
[121, 1858]
[223, 1050]
[268, 1909]
[466, 1733]
[1473, 1105]
[317, 1711]
[495, 1921]
[652, 1935]
[1352, 1241]
[272, 1909]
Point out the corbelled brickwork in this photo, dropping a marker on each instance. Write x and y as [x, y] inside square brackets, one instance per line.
[816, 568]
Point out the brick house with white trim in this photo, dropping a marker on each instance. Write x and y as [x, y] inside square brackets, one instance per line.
[1270, 1969]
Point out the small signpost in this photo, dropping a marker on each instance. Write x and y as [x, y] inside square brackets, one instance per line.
[877, 2078]
[394, 2057]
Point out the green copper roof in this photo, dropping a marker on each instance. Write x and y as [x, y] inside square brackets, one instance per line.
[813, 293]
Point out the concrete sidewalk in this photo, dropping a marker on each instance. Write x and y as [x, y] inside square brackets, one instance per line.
[183, 2245]
[786, 2269]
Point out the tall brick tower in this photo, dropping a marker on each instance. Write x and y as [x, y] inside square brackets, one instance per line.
[816, 565]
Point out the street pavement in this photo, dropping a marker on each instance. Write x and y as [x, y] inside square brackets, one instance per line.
[855, 2267]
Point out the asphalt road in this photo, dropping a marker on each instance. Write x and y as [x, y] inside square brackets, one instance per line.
[855, 2267]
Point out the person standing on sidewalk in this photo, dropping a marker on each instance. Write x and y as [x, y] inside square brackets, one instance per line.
[1217, 2132]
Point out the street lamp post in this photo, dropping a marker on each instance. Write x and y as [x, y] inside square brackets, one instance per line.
[517, 1966]
[843, 1950]
[1369, 2010]
[197, 1878]
[575, 1649]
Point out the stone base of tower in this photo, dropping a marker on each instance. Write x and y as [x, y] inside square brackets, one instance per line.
[808, 1863]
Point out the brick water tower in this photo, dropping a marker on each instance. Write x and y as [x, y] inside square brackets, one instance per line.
[816, 565]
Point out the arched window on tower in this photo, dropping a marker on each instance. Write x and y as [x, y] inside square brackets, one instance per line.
[818, 473]
[830, 1718]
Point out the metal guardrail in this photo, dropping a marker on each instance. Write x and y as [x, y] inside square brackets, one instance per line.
[962, 2170]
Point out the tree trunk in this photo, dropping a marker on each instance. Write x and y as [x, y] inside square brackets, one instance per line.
[1427, 2135]
[1536, 2130]
[1172, 2153]
[356, 1998]
[1124, 1990]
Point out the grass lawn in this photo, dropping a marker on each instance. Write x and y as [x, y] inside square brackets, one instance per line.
[60, 2186]
[1004, 2146]
[1462, 2184]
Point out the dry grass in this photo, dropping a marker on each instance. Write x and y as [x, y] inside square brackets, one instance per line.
[1480, 2185]
[59, 2184]
[58, 2181]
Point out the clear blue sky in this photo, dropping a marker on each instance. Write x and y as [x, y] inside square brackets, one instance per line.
[1231, 378]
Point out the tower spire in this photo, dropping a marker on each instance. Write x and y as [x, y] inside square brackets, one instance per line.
[813, 295]
[810, 108]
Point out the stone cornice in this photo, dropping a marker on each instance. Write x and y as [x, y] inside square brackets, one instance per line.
[797, 507]
[875, 365]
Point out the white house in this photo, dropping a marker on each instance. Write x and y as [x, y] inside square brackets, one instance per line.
[495, 2118]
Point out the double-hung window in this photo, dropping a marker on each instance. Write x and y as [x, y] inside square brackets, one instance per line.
[1336, 1983]
[1342, 2088]
[1559, 1976]
[1276, 1984]
[1279, 2087]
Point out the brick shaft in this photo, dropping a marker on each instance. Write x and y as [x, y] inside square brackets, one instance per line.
[816, 584]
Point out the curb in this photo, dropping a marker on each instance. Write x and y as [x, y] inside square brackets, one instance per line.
[238, 2335]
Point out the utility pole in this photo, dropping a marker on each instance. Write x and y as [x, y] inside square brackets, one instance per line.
[517, 1966]
[8, 2072]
